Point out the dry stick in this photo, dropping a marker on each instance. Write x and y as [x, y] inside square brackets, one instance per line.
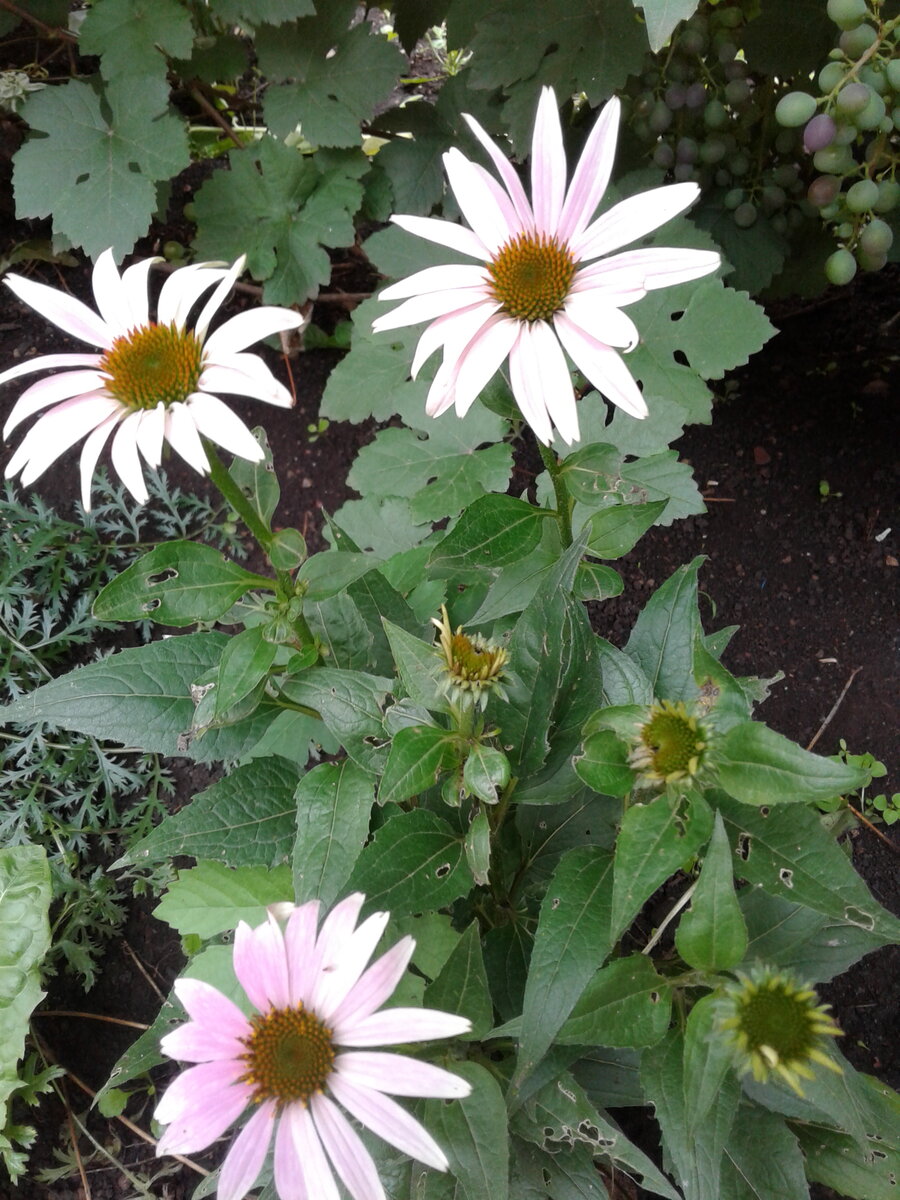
[216, 116]
[140, 966]
[61, 1012]
[74, 1139]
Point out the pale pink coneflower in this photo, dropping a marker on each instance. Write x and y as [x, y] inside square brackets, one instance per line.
[538, 292]
[153, 381]
[304, 1052]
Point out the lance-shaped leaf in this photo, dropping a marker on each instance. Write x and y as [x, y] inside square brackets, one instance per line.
[351, 703]
[419, 666]
[616, 529]
[762, 1158]
[244, 665]
[334, 803]
[625, 1004]
[712, 935]
[662, 640]
[473, 1134]
[331, 571]
[491, 533]
[462, 986]
[419, 755]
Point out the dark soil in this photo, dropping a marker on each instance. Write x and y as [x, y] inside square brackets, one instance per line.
[811, 582]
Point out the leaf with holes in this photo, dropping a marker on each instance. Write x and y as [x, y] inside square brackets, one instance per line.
[419, 755]
[135, 37]
[462, 986]
[491, 533]
[351, 704]
[626, 1003]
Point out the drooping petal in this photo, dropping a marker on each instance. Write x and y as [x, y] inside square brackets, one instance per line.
[46, 362]
[445, 233]
[135, 305]
[435, 279]
[290, 1180]
[207, 1006]
[300, 948]
[346, 1151]
[529, 398]
[219, 296]
[373, 987]
[394, 1026]
[426, 308]
[481, 359]
[399, 1075]
[182, 435]
[548, 165]
[507, 173]
[602, 321]
[633, 218]
[338, 976]
[592, 174]
[182, 290]
[56, 431]
[69, 314]
[388, 1121]
[199, 1105]
[550, 373]
[260, 964]
[248, 327]
[482, 202]
[245, 1159]
[125, 458]
[109, 295]
[91, 451]
[217, 422]
[454, 330]
[317, 1174]
[236, 376]
[602, 365]
[151, 434]
[50, 391]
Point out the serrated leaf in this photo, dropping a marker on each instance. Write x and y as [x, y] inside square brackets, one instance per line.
[591, 473]
[756, 765]
[762, 1159]
[414, 862]
[244, 819]
[711, 935]
[135, 36]
[615, 530]
[626, 1003]
[473, 1134]
[419, 755]
[382, 524]
[661, 17]
[351, 704]
[721, 328]
[662, 640]
[334, 802]
[419, 666]
[662, 477]
[269, 12]
[623, 680]
[211, 898]
[462, 986]
[491, 533]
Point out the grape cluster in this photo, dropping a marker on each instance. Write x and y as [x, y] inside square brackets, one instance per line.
[851, 129]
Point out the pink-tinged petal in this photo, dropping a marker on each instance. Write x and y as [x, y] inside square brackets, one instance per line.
[108, 294]
[200, 1043]
[399, 1075]
[551, 376]
[237, 377]
[507, 173]
[47, 362]
[334, 937]
[245, 1159]
[300, 949]
[57, 431]
[528, 396]
[207, 1006]
[455, 331]
[374, 987]
[548, 165]
[67, 313]
[135, 307]
[602, 366]
[199, 1105]
[345, 1149]
[217, 422]
[426, 308]
[151, 434]
[633, 218]
[397, 1026]
[125, 459]
[319, 1180]
[482, 201]
[182, 435]
[445, 233]
[481, 359]
[219, 296]
[338, 976]
[435, 279]
[182, 290]
[91, 451]
[260, 964]
[598, 319]
[248, 327]
[591, 177]
[51, 391]
[641, 271]
[440, 395]
[385, 1118]
[290, 1181]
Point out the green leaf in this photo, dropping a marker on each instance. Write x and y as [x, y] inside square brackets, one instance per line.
[134, 37]
[661, 17]
[287, 549]
[661, 642]
[711, 935]
[334, 803]
[419, 666]
[419, 755]
[756, 765]
[268, 12]
[257, 480]
[486, 772]
[762, 1159]
[707, 1060]
[244, 664]
[97, 176]
[604, 764]
[478, 848]
[507, 949]
[435, 939]
[591, 473]
[623, 680]
[211, 898]
[473, 1134]
[626, 1003]
[177, 583]
[596, 582]
[616, 529]
[414, 862]
[462, 985]
[351, 704]
[788, 852]
[245, 819]
[662, 477]
[491, 533]
[572, 937]
[331, 571]
[739, 327]
[868, 1172]
[655, 839]
[515, 586]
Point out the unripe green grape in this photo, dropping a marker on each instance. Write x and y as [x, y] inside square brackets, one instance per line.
[823, 190]
[847, 14]
[844, 230]
[786, 174]
[830, 76]
[726, 51]
[692, 41]
[795, 109]
[641, 130]
[779, 223]
[877, 237]
[686, 150]
[855, 42]
[745, 215]
[715, 115]
[734, 198]
[722, 178]
[892, 70]
[684, 172]
[852, 99]
[870, 262]
[786, 141]
[190, 211]
[712, 151]
[833, 160]
[773, 198]
[737, 91]
[845, 134]
[872, 115]
[173, 251]
[888, 196]
[875, 78]
[830, 212]
[739, 164]
[886, 125]
[678, 70]
[737, 69]
[862, 195]
[729, 17]
[840, 267]
[695, 97]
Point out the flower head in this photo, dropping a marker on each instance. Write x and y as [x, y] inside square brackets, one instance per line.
[670, 744]
[775, 1027]
[473, 666]
[542, 288]
[153, 381]
[305, 1051]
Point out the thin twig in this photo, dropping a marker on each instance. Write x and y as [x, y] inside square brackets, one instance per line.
[70, 1122]
[837, 705]
[143, 970]
[62, 1012]
[49, 31]
[868, 824]
[214, 115]
[670, 917]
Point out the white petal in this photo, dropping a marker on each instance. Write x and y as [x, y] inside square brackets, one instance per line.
[125, 458]
[244, 375]
[290, 1177]
[135, 308]
[197, 1043]
[445, 233]
[435, 279]
[600, 320]
[641, 271]
[633, 218]
[151, 434]
[507, 173]
[63, 310]
[602, 366]
[481, 359]
[217, 422]
[344, 1147]
[333, 941]
[396, 1026]
[529, 398]
[46, 362]
[300, 949]
[242, 331]
[479, 199]
[51, 391]
[199, 1105]
[455, 331]
[91, 452]
[260, 964]
[337, 977]
[389, 1121]
[56, 431]
[245, 1159]
[549, 374]
[591, 177]
[440, 395]
[317, 1176]
[182, 290]
[181, 434]
[374, 987]
[219, 296]
[109, 294]
[426, 308]
[548, 165]
[208, 1006]
[399, 1075]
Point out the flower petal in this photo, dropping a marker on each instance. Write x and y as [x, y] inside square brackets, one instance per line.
[56, 431]
[641, 271]
[334, 937]
[217, 422]
[338, 977]
[135, 308]
[455, 330]
[346, 1151]
[592, 174]
[290, 1179]
[125, 459]
[181, 434]
[602, 366]
[399, 1075]
[480, 360]
[260, 964]
[251, 326]
[528, 396]
[207, 1006]
[151, 434]
[46, 362]
[507, 173]
[602, 321]
[219, 296]
[633, 218]
[109, 295]
[483, 203]
[63, 310]
[374, 987]
[426, 308]
[91, 451]
[385, 1118]
[199, 1105]
[244, 375]
[182, 290]
[396, 1026]
[435, 279]
[50, 391]
[245, 1159]
[445, 233]
[196, 1043]
[317, 1174]
[548, 165]
[300, 949]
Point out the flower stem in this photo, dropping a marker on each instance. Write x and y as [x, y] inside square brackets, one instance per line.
[563, 499]
[233, 495]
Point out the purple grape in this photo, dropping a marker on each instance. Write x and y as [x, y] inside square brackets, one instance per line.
[675, 95]
[695, 97]
[819, 133]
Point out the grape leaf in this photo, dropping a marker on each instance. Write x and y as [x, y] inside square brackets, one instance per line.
[721, 328]
[661, 17]
[212, 898]
[255, 12]
[135, 36]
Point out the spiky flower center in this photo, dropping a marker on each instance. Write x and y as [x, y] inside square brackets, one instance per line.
[289, 1055]
[531, 275]
[475, 660]
[153, 364]
[671, 743]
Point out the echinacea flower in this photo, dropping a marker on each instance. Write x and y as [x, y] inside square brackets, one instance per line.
[775, 1027]
[542, 288]
[669, 744]
[153, 381]
[305, 1051]
[473, 665]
